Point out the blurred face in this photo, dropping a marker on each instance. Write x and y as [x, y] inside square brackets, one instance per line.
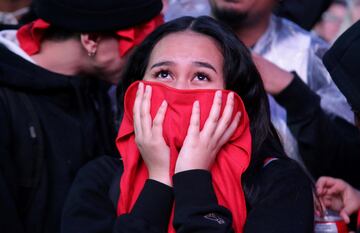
[237, 10]
[328, 28]
[107, 59]
[355, 11]
[186, 60]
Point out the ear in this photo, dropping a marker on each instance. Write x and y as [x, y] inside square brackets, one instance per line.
[90, 42]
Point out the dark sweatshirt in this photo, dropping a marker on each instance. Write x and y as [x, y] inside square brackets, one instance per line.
[51, 125]
[283, 202]
[329, 145]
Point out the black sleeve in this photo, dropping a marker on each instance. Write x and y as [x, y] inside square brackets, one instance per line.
[10, 220]
[89, 207]
[283, 200]
[328, 144]
[305, 13]
[196, 207]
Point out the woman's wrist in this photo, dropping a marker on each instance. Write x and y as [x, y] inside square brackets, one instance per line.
[162, 177]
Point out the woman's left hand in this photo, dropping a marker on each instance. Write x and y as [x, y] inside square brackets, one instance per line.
[201, 147]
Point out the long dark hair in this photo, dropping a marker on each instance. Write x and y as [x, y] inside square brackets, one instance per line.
[240, 73]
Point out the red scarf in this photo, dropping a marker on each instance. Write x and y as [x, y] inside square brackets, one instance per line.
[30, 35]
[231, 162]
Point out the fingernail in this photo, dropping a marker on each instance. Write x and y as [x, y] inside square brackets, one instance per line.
[141, 85]
[231, 95]
[238, 115]
[147, 88]
[218, 94]
[196, 103]
[164, 103]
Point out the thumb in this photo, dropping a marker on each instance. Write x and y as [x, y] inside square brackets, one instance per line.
[345, 216]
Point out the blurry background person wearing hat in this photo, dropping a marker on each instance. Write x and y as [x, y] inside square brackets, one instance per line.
[54, 109]
[339, 152]
[342, 153]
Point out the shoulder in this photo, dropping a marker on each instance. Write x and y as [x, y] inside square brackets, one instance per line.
[89, 205]
[98, 173]
[102, 167]
[283, 172]
[284, 200]
[281, 177]
[92, 185]
[283, 183]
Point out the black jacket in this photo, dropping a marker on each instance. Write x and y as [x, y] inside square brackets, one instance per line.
[329, 145]
[282, 203]
[50, 126]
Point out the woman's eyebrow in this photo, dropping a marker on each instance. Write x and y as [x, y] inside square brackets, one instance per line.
[197, 63]
[163, 63]
[204, 64]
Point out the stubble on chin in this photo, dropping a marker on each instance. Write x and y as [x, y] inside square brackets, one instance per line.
[231, 17]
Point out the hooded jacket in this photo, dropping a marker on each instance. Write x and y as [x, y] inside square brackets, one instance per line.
[51, 125]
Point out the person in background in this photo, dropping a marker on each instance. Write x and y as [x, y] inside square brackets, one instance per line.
[289, 61]
[11, 11]
[303, 12]
[54, 108]
[355, 10]
[191, 68]
[329, 26]
[338, 155]
[342, 153]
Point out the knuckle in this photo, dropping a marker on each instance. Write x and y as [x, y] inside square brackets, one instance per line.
[142, 114]
[226, 121]
[157, 122]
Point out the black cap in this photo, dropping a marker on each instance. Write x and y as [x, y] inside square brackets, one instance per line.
[342, 62]
[97, 15]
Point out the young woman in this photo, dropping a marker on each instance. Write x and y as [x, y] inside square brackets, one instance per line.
[184, 135]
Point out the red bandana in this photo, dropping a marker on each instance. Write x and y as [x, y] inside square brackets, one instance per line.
[231, 162]
[31, 35]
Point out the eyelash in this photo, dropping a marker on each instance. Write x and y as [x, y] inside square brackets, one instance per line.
[197, 74]
[158, 73]
[203, 75]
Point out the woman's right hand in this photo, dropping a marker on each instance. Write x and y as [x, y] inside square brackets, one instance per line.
[148, 136]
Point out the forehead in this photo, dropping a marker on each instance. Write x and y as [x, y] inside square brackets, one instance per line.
[187, 45]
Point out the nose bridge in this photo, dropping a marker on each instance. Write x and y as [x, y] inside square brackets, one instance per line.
[182, 81]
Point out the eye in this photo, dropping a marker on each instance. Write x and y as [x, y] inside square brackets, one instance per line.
[201, 77]
[162, 74]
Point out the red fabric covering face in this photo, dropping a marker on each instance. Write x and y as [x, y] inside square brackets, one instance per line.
[30, 35]
[231, 162]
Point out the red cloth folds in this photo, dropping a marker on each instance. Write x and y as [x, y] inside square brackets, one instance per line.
[31, 35]
[231, 162]
[131, 37]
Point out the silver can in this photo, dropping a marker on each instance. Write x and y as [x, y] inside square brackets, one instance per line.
[330, 222]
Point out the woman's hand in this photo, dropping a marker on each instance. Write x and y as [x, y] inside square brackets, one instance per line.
[201, 147]
[338, 195]
[149, 137]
